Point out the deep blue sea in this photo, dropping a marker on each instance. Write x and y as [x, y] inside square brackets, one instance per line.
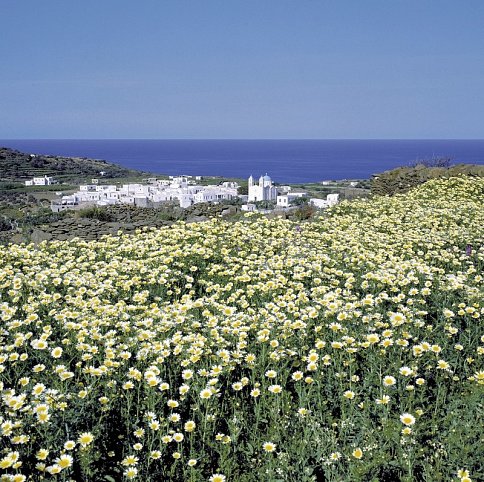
[286, 161]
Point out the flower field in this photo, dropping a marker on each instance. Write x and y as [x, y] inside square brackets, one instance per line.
[348, 348]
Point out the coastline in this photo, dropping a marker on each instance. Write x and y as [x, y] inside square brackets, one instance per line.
[27, 210]
[288, 161]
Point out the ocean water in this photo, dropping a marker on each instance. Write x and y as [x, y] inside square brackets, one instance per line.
[286, 161]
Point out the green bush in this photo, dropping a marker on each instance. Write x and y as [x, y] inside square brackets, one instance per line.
[101, 214]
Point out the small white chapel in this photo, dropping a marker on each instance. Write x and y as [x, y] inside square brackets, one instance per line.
[264, 190]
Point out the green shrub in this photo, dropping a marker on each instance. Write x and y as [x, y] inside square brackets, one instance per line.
[101, 214]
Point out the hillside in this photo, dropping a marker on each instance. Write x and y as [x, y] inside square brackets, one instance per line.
[19, 166]
[402, 179]
[346, 348]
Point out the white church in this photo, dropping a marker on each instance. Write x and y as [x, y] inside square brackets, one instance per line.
[262, 191]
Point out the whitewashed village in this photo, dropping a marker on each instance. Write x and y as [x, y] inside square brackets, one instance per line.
[186, 191]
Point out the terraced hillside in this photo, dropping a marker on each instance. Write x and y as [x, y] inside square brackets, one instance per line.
[18, 166]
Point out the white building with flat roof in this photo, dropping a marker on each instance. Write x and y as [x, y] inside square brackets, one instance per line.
[250, 208]
[178, 189]
[284, 200]
[40, 181]
[331, 200]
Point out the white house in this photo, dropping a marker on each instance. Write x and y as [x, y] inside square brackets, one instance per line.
[263, 191]
[40, 181]
[179, 181]
[230, 184]
[284, 200]
[249, 207]
[331, 200]
[87, 187]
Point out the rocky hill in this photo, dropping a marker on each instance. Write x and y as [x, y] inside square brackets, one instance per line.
[402, 179]
[19, 166]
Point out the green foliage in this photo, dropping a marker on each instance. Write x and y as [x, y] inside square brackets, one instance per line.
[95, 212]
[15, 166]
[243, 190]
[265, 204]
[6, 186]
[304, 212]
[41, 216]
[6, 224]
[166, 215]
[300, 201]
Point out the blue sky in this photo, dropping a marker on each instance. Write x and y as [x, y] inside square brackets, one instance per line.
[242, 69]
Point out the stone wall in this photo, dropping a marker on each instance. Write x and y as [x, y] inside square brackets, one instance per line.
[122, 217]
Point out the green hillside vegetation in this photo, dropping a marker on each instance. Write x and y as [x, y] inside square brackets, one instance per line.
[16, 166]
[347, 348]
[402, 179]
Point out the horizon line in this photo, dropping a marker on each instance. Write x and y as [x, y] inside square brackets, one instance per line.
[242, 139]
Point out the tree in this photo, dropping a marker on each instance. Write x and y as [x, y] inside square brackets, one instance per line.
[300, 201]
[243, 190]
[265, 204]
